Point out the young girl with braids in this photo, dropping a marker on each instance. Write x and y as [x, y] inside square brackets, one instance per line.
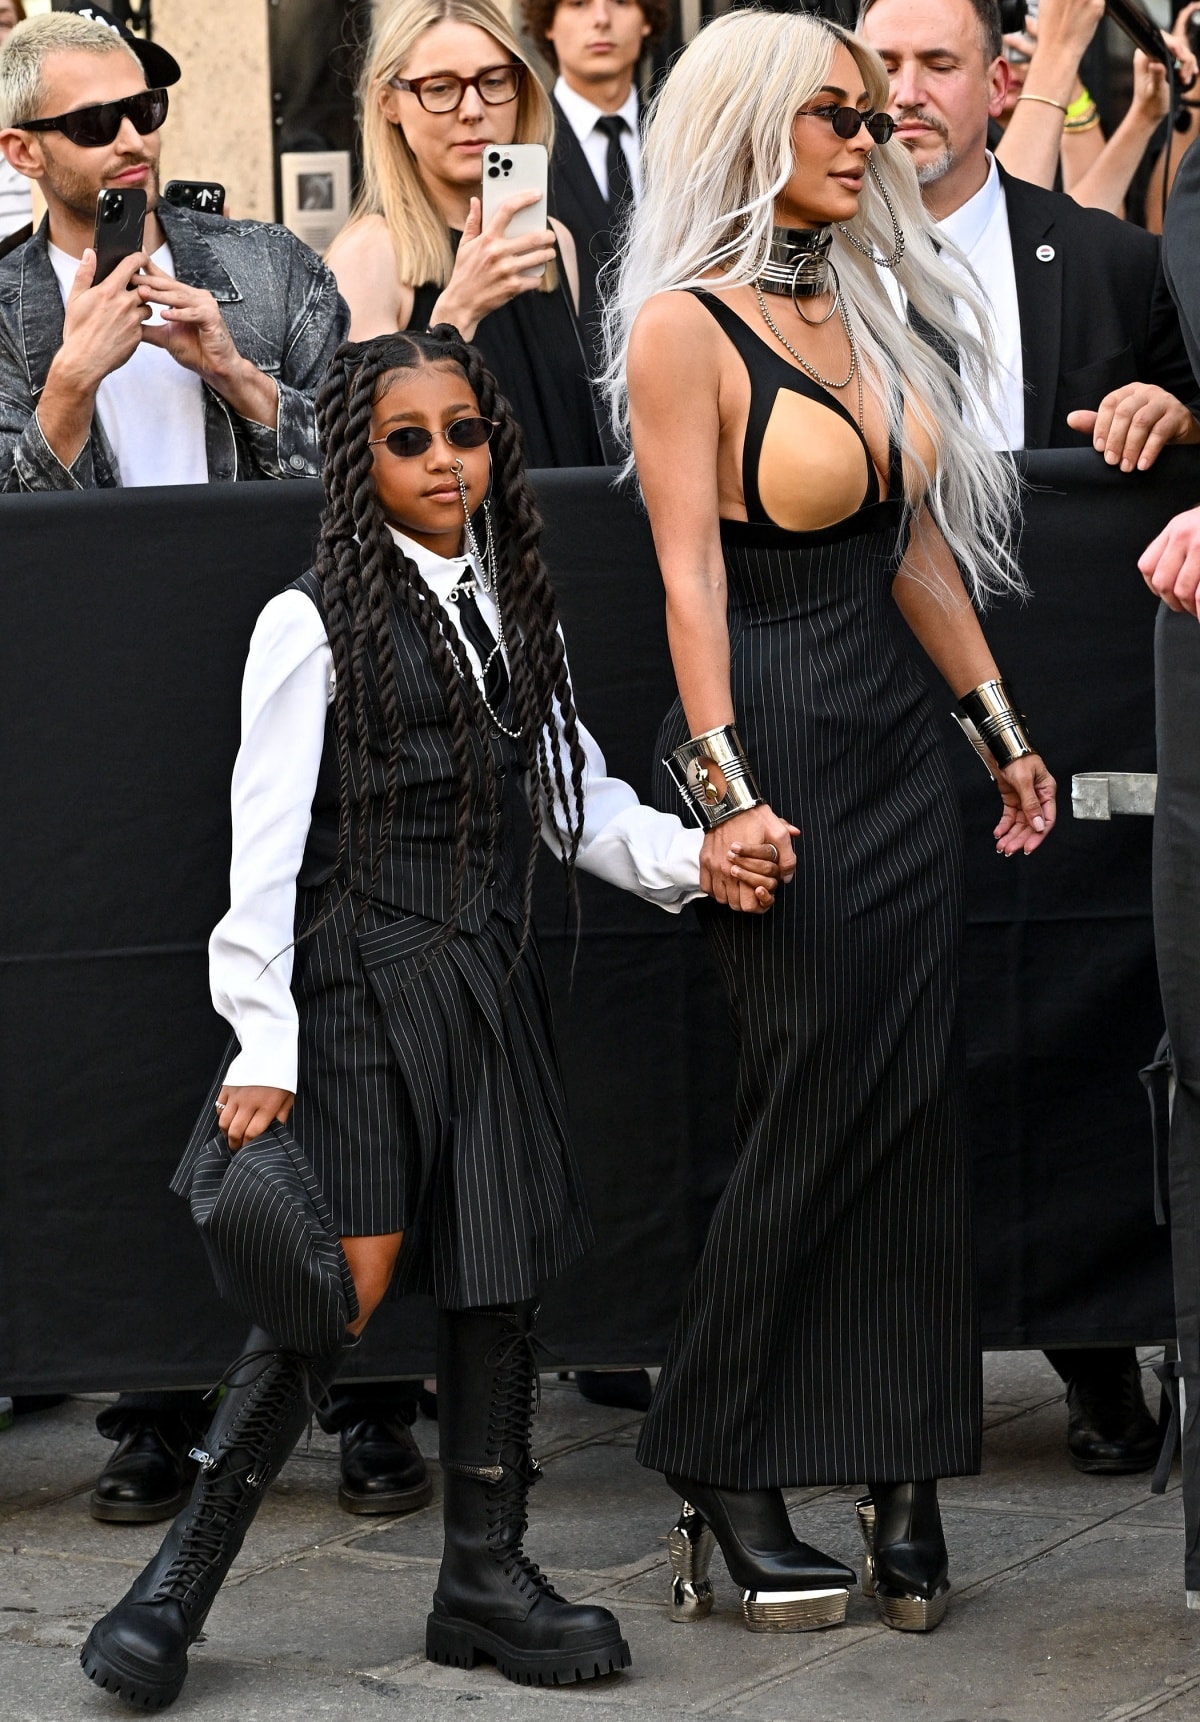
[408, 735]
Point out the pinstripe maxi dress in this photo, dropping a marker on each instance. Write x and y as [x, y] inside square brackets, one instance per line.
[428, 1092]
[829, 1333]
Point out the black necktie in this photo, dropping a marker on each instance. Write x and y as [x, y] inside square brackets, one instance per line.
[480, 636]
[620, 180]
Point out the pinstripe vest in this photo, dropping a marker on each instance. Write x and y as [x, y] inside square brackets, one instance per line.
[418, 866]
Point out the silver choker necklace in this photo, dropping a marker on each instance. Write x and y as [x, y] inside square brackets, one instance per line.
[798, 262]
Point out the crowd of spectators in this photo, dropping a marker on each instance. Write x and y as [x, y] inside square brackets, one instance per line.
[199, 357]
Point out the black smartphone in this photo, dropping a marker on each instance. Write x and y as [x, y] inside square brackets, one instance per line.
[120, 220]
[202, 194]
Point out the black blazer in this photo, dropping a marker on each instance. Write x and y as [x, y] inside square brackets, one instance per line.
[1095, 314]
[1181, 251]
[575, 199]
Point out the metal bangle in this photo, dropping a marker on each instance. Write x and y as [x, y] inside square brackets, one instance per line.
[992, 710]
[689, 767]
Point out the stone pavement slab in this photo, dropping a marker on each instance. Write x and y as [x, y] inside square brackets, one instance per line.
[1068, 1603]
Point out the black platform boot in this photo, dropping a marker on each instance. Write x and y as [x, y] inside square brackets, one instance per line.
[491, 1600]
[906, 1568]
[139, 1650]
[787, 1586]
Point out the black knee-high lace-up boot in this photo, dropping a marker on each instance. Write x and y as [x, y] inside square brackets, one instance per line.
[491, 1600]
[139, 1650]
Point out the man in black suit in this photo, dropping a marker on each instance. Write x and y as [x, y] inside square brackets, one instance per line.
[595, 176]
[1090, 351]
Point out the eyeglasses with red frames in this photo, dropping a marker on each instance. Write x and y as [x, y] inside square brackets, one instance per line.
[846, 121]
[97, 126]
[407, 441]
[441, 92]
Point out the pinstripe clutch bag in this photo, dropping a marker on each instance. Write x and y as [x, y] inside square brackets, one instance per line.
[269, 1237]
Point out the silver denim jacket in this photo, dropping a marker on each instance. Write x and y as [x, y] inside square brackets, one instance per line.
[280, 304]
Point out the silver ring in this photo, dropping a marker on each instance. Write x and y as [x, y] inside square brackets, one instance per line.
[221, 1105]
[774, 853]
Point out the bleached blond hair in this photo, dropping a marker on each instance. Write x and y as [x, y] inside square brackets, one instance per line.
[392, 185]
[718, 154]
[31, 43]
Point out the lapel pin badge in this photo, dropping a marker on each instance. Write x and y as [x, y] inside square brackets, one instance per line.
[1045, 254]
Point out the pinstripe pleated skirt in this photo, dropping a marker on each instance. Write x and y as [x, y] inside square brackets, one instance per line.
[429, 1100]
[830, 1334]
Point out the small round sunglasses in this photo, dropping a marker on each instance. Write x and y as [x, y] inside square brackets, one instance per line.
[441, 92]
[846, 121]
[93, 128]
[407, 441]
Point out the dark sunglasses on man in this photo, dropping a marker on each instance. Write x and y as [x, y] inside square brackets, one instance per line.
[407, 441]
[96, 127]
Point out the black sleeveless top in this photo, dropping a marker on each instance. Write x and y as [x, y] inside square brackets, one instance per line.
[533, 349]
[769, 372]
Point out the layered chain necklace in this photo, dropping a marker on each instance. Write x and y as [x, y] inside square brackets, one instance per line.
[798, 266]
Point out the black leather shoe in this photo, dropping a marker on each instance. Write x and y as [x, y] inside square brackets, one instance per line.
[148, 1477]
[1109, 1429]
[764, 1557]
[382, 1468]
[907, 1569]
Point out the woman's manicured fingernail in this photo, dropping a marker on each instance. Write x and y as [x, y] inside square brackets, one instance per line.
[1039, 824]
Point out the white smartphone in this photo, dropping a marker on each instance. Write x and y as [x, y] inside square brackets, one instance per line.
[509, 168]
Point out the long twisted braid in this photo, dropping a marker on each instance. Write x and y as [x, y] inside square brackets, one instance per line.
[361, 570]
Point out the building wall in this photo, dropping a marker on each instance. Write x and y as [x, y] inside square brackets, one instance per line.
[219, 126]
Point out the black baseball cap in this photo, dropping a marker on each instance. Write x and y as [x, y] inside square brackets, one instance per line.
[160, 67]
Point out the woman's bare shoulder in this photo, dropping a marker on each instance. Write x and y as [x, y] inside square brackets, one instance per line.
[673, 327]
[362, 243]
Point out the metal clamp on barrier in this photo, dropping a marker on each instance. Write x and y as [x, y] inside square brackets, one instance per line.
[1101, 794]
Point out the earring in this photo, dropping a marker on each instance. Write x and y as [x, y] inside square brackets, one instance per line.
[898, 239]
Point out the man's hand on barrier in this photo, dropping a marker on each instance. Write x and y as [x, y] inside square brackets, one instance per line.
[1170, 565]
[102, 326]
[1134, 424]
[245, 1112]
[194, 332]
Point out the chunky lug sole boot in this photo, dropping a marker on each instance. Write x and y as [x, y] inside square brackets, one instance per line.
[491, 1600]
[138, 1652]
[906, 1568]
[787, 1586]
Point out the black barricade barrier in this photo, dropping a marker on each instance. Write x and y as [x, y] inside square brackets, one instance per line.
[126, 620]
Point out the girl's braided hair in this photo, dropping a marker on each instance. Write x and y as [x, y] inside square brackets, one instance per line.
[360, 568]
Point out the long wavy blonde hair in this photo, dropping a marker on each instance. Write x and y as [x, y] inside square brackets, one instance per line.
[392, 185]
[718, 154]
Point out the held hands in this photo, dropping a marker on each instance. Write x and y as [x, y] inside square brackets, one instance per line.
[1027, 791]
[491, 268]
[1134, 424]
[245, 1112]
[736, 867]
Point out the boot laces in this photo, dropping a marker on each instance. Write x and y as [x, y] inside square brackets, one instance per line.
[226, 1485]
[516, 1400]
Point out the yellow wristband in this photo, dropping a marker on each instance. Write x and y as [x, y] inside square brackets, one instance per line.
[1079, 107]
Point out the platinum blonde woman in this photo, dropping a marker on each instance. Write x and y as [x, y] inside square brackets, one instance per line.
[806, 469]
[442, 80]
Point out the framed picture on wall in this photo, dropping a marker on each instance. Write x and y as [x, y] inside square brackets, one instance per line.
[315, 185]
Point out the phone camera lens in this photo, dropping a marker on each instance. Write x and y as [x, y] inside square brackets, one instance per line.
[493, 173]
[110, 208]
[506, 165]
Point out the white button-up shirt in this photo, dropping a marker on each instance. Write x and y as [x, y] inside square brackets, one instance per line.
[582, 116]
[288, 684]
[980, 230]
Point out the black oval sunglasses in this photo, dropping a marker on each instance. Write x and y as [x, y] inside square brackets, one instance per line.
[846, 121]
[94, 127]
[406, 441]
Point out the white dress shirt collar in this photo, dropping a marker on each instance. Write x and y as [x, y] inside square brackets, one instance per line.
[440, 573]
[971, 220]
[583, 114]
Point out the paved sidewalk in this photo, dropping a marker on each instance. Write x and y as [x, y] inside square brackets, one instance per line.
[1068, 1602]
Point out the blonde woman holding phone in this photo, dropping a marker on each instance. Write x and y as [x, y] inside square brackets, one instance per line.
[443, 80]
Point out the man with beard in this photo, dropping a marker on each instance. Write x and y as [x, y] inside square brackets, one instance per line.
[1084, 328]
[196, 359]
[1090, 351]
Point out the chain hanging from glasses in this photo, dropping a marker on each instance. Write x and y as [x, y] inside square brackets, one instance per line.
[868, 250]
[485, 561]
